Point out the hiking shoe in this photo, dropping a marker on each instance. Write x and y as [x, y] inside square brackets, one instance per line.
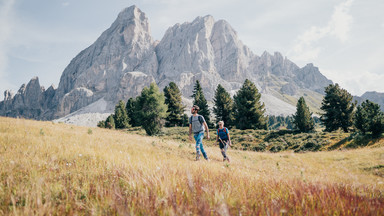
[197, 158]
[228, 159]
[224, 159]
[207, 159]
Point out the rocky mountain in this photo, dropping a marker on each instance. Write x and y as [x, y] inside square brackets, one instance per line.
[31, 101]
[125, 59]
[373, 96]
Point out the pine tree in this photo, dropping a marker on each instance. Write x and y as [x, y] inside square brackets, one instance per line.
[338, 108]
[302, 119]
[248, 110]
[131, 112]
[110, 122]
[223, 106]
[185, 120]
[121, 117]
[290, 122]
[175, 107]
[369, 118]
[151, 109]
[199, 100]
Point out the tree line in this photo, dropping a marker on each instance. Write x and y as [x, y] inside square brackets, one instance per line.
[340, 112]
[153, 110]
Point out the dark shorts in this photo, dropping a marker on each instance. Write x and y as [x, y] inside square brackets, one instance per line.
[223, 145]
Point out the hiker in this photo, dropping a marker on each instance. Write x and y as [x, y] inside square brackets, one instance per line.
[223, 139]
[198, 125]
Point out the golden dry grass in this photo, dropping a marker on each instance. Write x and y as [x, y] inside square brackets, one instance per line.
[57, 169]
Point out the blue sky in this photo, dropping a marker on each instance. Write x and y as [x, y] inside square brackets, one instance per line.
[344, 38]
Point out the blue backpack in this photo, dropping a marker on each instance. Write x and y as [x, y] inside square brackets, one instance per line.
[225, 130]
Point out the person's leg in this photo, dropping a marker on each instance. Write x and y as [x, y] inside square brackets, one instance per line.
[201, 145]
[225, 152]
[198, 140]
[222, 150]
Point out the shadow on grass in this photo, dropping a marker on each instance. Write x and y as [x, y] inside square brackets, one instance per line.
[363, 141]
[358, 140]
[340, 143]
[376, 170]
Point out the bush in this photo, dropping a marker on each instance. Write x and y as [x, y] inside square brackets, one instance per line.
[259, 148]
[101, 124]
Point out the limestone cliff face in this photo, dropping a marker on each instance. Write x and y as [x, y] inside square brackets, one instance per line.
[100, 70]
[125, 59]
[31, 101]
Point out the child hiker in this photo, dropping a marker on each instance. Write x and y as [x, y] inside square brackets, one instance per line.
[197, 124]
[223, 139]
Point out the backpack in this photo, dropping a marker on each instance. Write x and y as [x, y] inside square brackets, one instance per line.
[198, 117]
[225, 130]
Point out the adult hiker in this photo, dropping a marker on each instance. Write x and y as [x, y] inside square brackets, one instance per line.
[224, 139]
[198, 125]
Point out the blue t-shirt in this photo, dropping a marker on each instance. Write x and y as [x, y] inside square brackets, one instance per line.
[223, 133]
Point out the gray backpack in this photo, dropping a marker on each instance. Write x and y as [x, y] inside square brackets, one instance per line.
[201, 120]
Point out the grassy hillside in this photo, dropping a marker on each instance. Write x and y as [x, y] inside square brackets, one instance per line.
[279, 140]
[48, 168]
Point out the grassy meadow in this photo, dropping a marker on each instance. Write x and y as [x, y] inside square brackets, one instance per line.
[57, 169]
[279, 140]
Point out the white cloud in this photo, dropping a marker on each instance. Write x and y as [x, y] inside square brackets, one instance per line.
[338, 27]
[341, 21]
[65, 4]
[6, 18]
[356, 83]
[6, 31]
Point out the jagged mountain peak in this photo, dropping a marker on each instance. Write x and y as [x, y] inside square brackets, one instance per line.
[129, 12]
[203, 19]
[35, 78]
[98, 71]
[132, 15]
[276, 54]
[200, 22]
[309, 65]
[125, 59]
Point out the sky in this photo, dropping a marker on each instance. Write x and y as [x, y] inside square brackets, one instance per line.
[343, 38]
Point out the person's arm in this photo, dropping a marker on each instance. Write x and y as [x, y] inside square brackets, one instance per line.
[190, 132]
[217, 137]
[206, 129]
[229, 138]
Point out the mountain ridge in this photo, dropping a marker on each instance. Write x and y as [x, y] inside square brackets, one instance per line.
[126, 58]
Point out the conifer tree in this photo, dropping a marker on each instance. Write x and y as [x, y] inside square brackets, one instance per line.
[121, 117]
[131, 112]
[223, 106]
[248, 110]
[185, 120]
[110, 122]
[175, 107]
[151, 109]
[369, 118]
[338, 108]
[199, 100]
[302, 119]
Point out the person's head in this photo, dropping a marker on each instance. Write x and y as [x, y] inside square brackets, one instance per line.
[195, 109]
[221, 124]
